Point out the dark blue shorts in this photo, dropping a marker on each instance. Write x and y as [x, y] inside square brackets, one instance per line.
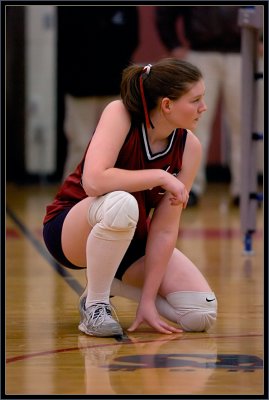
[52, 232]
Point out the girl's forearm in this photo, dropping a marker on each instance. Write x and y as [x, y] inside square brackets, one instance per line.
[119, 179]
[158, 253]
[161, 242]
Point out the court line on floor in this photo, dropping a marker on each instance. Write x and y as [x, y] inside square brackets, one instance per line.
[62, 271]
[126, 342]
[69, 279]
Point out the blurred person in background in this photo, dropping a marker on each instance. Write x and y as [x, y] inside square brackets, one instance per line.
[95, 44]
[213, 42]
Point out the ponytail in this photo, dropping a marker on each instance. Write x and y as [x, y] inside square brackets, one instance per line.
[132, 80]
[142, 87]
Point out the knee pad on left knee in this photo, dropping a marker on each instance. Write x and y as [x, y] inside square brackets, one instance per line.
[197, 311]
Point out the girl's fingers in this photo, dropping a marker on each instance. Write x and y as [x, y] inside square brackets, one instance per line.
[165, 328]
[134, 326]
[171, 328]
[160, 326]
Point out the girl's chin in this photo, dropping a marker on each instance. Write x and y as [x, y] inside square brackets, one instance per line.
[196, 122]
[193, 125]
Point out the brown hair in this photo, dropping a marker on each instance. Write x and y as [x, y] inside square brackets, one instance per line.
[169, 77]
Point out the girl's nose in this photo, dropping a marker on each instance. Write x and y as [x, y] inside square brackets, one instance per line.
[203, 107]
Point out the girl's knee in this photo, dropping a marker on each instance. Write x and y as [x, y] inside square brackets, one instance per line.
[114, 212]
[120, 211]
[197, 311]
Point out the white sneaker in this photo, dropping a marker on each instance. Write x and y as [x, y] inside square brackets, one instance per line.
[97, 320]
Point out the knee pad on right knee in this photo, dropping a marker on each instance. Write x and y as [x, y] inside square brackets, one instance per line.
[115, 212]
[120, 211]
[197, 311]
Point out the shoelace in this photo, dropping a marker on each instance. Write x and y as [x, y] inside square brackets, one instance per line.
[99, 312]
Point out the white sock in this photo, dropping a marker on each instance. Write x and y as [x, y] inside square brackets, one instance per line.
[119, 288]
[103, 259]
[114, 217]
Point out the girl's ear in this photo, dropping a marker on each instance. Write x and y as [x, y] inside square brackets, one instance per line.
[165, 104]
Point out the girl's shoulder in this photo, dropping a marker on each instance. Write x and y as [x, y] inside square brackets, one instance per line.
[116, 111]
[114, 123]
[192, 141]
[116, 105]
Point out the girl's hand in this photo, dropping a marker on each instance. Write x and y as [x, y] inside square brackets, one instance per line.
[179, 193]
[147, 313]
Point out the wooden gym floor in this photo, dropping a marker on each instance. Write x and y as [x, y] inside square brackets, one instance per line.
[47, 355]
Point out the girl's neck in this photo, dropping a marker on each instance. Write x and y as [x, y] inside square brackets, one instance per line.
[162, 129]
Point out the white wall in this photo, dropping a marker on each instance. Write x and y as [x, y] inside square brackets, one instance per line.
[40, 130]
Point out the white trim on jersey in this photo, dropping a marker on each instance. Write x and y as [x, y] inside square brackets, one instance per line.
[150, 156]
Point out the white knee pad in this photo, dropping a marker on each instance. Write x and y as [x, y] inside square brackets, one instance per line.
[197, 311]
[114, 212]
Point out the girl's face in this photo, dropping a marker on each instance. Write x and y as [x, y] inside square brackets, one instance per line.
[186, 111]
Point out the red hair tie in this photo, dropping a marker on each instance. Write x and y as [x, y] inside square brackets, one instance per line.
[147, 71]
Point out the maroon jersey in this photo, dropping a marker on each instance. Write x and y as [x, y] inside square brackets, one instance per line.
[135, 154]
